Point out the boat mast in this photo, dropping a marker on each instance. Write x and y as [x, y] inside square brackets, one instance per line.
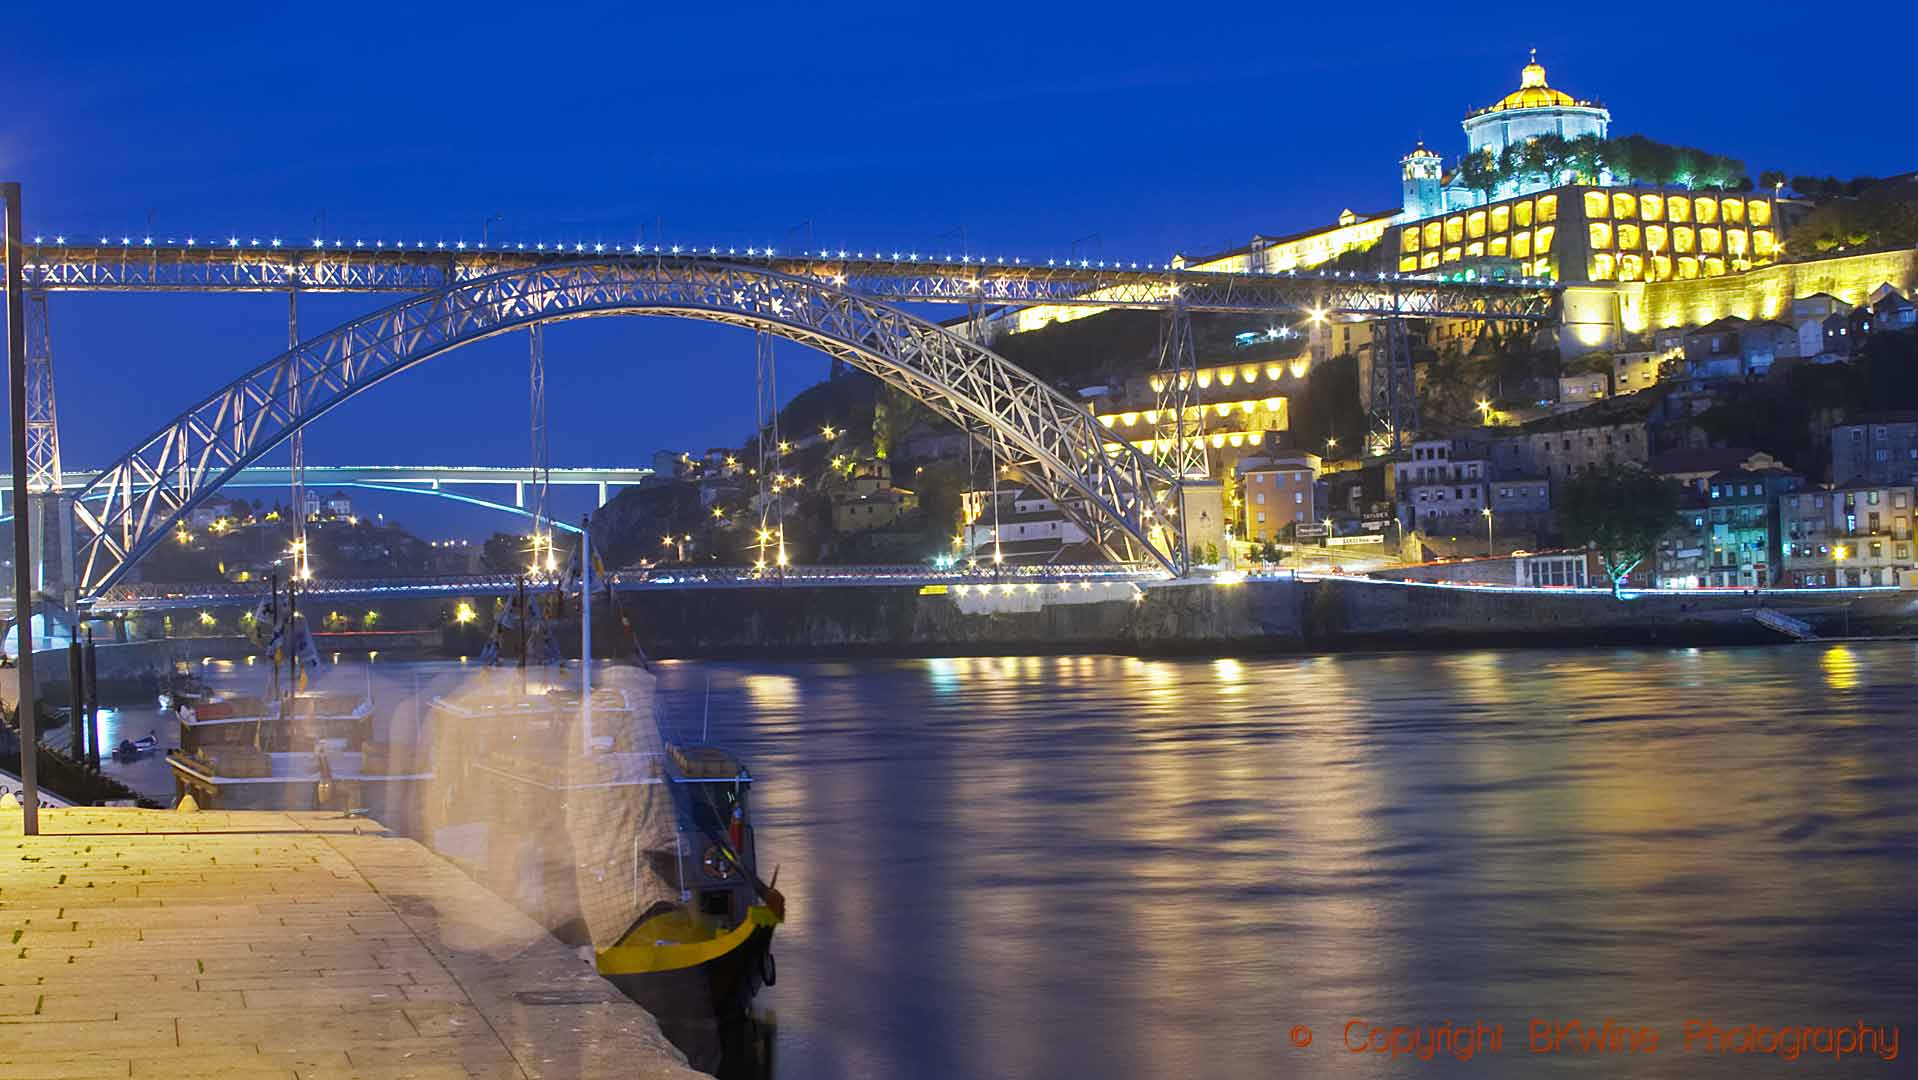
[273, 633]
[586, 631]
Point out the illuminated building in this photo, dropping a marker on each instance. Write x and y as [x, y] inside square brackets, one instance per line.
[1278, 491]
[1024, 528]
[871, 502]
[1441, 485]
[1728, 532]
[1534, 109]
[1241, 408]
[1858, 534]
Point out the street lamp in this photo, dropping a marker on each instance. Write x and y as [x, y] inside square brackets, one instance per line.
[1330, 443]
[22, 511]
[1489, 549]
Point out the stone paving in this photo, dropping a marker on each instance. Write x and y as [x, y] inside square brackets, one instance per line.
[295, 946]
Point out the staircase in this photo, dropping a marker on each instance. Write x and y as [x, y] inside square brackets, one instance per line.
[1796, 629]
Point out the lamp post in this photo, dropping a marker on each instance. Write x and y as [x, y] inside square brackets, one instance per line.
[22, 537]
[1489, 549]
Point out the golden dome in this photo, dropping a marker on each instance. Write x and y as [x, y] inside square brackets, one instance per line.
[1532, 92]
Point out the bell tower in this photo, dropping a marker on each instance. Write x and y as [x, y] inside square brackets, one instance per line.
[1421, 170]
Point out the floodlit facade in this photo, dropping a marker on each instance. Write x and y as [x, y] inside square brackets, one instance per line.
[1581, 234]
[1855, 535]
[1278, 492]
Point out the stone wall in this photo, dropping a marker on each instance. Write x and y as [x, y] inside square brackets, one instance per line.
[1767, 293]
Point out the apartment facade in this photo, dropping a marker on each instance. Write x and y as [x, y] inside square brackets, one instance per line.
[1854, 535]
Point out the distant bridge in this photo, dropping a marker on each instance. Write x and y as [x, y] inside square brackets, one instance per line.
[402, 478]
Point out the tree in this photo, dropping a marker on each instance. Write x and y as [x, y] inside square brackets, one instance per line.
[1480, 172]
[1771, 178]
[1621, 511]
[1587, 158]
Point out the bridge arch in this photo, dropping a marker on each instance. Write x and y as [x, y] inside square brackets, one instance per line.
[133, 504]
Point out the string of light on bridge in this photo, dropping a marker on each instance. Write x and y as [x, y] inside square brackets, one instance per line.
[317, 244]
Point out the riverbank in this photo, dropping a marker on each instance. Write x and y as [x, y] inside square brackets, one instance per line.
[1249, 617]
[280, 944]
[1211, 617]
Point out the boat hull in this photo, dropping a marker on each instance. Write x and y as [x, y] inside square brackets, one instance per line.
[720, 986]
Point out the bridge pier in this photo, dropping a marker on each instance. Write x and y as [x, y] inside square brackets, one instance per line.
[602, 493]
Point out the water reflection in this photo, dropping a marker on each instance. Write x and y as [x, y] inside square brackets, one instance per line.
[1116, 867]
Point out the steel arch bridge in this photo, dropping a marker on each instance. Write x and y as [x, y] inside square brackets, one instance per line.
[134, 503]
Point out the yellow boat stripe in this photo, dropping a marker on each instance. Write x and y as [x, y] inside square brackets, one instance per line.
[637, 957]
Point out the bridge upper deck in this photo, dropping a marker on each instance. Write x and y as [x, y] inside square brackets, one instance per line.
[234, 264]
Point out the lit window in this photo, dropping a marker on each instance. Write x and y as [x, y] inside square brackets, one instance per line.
[1547, 208]
[1603, 268]
[1759, 210]
[1475, 249]
[1763, 244]
[1706, 210]
[1428, 260]
[1661, 271]
[1475, 223]
[1678, 209]
[1655, 238]
[1628, 237]
[1651, 207]
[1408, 263]
[1601, 234]
[1498, 246]
[1710, 241]
[1408, 239]
[1624, 207]
[1501, 217]
[1736, 242]
[1452, 254]
[1522, 213]
[1521, 244]
[1684, 240]
[1714, 268]
[1630, 268]
[1595, 205]
[1732, 211]
[1454, 229]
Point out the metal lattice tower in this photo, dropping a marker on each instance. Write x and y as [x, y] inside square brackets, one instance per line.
[302, 566]
[1392, 397]
[1181, 429]
[541, 459]
[43, 447]
[772, 517]
[43, 428]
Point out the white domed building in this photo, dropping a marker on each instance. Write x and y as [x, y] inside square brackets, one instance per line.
[1534, 109]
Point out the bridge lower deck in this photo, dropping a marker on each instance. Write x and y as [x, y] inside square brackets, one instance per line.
[303, 946]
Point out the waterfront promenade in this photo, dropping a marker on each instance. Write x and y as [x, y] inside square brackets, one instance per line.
[295, 946]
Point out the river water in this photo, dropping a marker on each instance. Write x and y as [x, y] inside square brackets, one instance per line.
[1098, 866]
[1110, 867]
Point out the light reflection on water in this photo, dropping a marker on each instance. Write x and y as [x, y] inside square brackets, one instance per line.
[1100, 866]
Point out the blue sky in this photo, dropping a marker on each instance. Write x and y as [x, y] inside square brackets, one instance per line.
[1131, 129]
